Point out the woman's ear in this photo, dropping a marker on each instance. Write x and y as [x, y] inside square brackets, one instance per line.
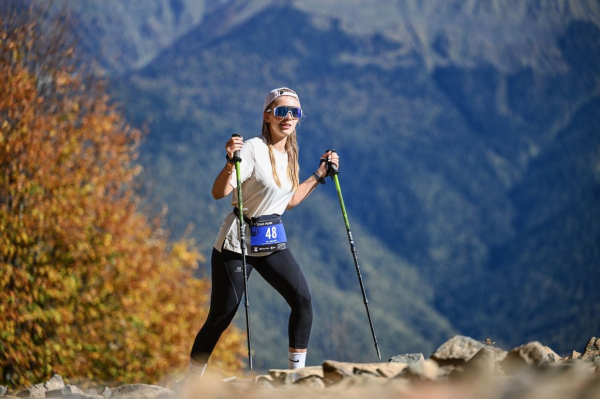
[266, 117]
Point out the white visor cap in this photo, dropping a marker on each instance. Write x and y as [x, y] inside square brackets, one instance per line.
[282, 91]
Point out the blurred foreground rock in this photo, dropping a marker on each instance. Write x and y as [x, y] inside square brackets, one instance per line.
[461, 367]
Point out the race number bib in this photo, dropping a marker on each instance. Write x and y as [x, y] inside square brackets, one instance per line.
[267, 235]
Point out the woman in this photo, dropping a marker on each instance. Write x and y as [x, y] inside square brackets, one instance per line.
[270, 185]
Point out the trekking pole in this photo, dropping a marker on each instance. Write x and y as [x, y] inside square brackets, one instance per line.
[237, 160]
[333, 172]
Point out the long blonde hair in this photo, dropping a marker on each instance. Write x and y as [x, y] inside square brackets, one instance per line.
[291, 147]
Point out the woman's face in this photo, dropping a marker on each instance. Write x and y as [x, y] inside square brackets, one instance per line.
[282, 127]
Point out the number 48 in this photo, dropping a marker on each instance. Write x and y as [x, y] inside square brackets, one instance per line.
[271, 232]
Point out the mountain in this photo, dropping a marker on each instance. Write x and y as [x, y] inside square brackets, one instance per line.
[469, 139]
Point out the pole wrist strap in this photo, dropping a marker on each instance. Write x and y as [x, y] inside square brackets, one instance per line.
[319, 178]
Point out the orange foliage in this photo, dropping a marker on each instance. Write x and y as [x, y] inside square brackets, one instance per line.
[89, 287]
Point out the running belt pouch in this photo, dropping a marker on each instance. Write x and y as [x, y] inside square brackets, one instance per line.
[266, 233]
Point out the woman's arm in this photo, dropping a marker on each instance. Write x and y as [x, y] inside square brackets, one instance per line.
[221, 187]
[307, 187]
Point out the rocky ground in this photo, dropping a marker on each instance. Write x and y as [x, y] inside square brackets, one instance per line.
[460, 368]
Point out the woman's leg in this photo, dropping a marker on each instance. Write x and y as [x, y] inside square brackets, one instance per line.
[281, 271]
[227, 289]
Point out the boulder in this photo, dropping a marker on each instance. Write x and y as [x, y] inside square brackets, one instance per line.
[56, 382]
[36, 391]
[334, 372]
[39, 390]
[313, 381]
[287, 376]
[421, 371]
[66, 391]
[592, 349]
[552, 356]
[530, 354]
[3, 390]
[265, 381]
[486, 360]
[573, 356]
[140, 389]
[456, 351]
[263, 378]
[408, 358]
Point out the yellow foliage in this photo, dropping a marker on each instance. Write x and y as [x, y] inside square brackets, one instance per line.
[89, 286]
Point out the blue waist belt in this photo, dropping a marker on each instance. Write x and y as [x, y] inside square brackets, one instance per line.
[266, 233]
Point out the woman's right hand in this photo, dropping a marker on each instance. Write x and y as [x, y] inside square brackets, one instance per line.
[234, 144]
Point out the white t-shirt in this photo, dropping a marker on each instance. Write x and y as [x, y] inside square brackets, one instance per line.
[260, 194]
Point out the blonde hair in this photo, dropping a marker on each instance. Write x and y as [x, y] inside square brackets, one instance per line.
[291, 147]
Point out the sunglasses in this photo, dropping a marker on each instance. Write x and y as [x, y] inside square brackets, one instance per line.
[283, 110]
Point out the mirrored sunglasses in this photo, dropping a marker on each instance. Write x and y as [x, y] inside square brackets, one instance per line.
[282, 111]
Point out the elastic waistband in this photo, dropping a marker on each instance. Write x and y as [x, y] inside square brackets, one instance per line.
[236, 211]
[252, 221]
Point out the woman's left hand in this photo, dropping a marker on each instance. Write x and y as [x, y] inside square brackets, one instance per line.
[332, 157]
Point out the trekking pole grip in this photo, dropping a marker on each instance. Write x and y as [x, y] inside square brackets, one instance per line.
[331, 168]
[236, 154]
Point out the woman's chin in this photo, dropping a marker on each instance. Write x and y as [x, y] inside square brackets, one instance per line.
[284, 133]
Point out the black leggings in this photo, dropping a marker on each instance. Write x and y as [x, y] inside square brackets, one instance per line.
[280, 270]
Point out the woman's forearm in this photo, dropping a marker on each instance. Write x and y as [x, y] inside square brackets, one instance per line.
[304, 189]
[221, 187]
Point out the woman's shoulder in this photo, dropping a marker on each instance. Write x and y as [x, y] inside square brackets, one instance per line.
[257, 143]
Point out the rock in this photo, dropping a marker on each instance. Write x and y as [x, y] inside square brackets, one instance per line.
[36, 391]
[39, 390]
[552, 356]
[313, 381]
[91, 391]
[358, 381]
[3, 390]
[392, 369]
[408, 358]
[66, 391]
[140, 389]
[265, 381]
[287, 376]
[261, 378]
[572, 357]
[106, 392]
[422, 371]
[334, 372]
[56, 382]
[530, 354]
[237, 383]
[596, 363]
[592, 349]
[486, 360]
[457, 350]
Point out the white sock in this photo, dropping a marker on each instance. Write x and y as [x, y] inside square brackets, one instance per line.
[197, 370]
[297, 360]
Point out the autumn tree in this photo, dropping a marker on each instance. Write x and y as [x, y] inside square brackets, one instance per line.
[90, 287]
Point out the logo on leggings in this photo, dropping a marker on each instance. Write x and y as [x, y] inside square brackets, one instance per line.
[239, 269]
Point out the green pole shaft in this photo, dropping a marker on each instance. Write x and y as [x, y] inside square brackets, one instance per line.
[238, 174]
[334, 176]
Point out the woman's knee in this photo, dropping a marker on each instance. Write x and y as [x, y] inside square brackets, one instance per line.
[304, 300]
